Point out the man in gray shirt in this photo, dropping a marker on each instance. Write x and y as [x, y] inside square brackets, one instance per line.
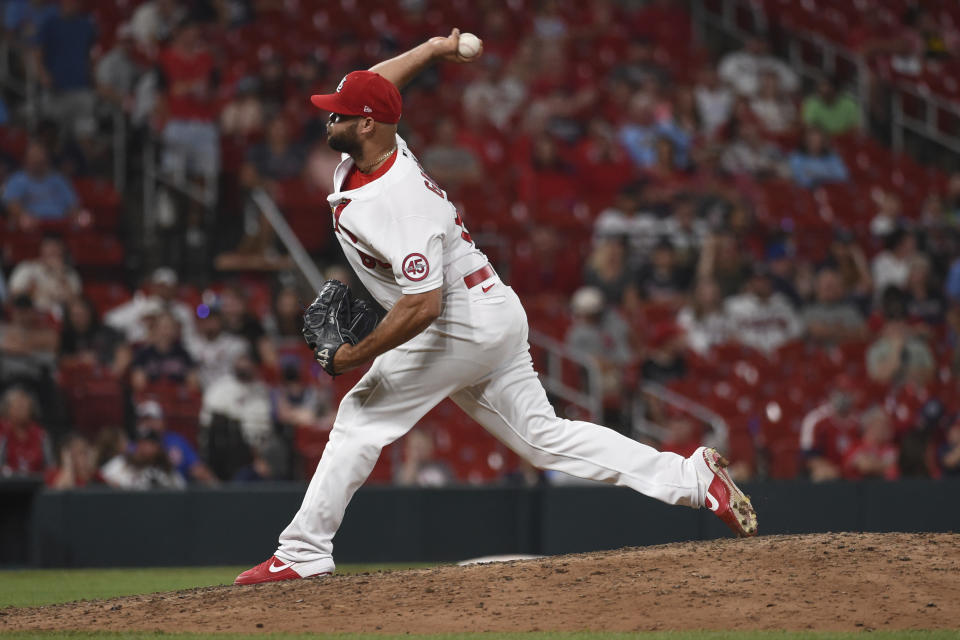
[832, 318]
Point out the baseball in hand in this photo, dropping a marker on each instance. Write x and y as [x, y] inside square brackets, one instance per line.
[469, 45]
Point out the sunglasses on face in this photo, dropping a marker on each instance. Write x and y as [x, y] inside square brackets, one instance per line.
[339, 117]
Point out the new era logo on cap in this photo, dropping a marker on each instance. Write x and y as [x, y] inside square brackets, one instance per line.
[363, 93]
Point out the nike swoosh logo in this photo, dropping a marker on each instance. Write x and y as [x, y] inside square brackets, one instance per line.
[485, 289]
[275, 568]
[712, 503]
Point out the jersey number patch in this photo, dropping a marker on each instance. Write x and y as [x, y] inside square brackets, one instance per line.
[415, 267]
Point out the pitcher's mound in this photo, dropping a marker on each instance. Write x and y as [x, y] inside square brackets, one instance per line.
[844, 581]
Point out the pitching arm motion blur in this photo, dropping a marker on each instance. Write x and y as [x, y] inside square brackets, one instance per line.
[401, 69]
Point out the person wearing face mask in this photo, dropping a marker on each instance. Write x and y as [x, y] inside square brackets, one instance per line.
[235, 418]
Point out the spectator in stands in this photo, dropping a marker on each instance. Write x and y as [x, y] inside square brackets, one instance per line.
[889, 215]
[685, 230]
[24, 446]
[830, 111]
[78, 465]
[190, 138]
[743, 69]
[495, 93]
[603, 165]
[722, 261]
[64, 42]
[638, 66]
[118, 70]
[664, 177]
[828, 433]
[449, 162]
[538, 268]
[272, 80]
[924, 302]
[420, 468]
[285, 322]
[791, 277]
[214, 350]
[714, 101]
[183, 458]
[239, 321]
[49, 280]
[134, 318]
[900, 355]
[936, 40]
[87, 155]
[665, 360]
[876, 454]
[891, 267]
[243, 116]
[607, 269]
[24, 18]
[144, 466]
[38, 192]
[85, 340]
[641, 131]
[761, 318]
[601, 336]
[948, 455]
[832, 318]
[236, 424]
[28, 345]
[776, 111]
[547, 183]
[918, 441]
[703, 320]
[296, 404]
[277, 158]
[153, 23]
[848, 259]
[749, 154]
[163, 358]
[664, 279]
[815, 162]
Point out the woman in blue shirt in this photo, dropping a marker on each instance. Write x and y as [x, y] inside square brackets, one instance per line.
[815, 163]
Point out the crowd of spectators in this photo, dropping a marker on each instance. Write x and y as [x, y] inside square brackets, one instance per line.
[627, 176]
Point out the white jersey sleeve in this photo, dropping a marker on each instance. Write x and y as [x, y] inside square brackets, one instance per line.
[414, 248]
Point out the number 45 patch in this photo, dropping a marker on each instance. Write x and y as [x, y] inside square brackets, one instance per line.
[415, 267]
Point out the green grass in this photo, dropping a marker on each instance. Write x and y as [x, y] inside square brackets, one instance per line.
[35, 587]
[665, 635]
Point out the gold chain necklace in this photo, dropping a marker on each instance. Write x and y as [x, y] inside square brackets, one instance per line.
[379, 160]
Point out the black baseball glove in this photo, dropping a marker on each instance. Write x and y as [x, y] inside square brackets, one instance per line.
[336, 317]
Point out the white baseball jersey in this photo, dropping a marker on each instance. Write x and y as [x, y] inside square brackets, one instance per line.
[400, 233]
[402, 236]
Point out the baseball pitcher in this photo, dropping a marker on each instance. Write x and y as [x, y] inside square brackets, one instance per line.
[453, 329]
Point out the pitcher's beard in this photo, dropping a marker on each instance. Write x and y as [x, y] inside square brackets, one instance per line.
[344, 143]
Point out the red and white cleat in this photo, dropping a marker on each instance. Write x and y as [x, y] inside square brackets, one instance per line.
[276, 570]
[723, 496]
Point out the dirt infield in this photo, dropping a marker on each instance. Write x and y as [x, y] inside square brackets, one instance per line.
[844, 581]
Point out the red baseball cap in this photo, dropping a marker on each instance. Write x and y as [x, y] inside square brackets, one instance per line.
[363, 93]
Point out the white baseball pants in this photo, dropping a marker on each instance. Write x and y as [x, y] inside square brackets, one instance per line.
[477, 354]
